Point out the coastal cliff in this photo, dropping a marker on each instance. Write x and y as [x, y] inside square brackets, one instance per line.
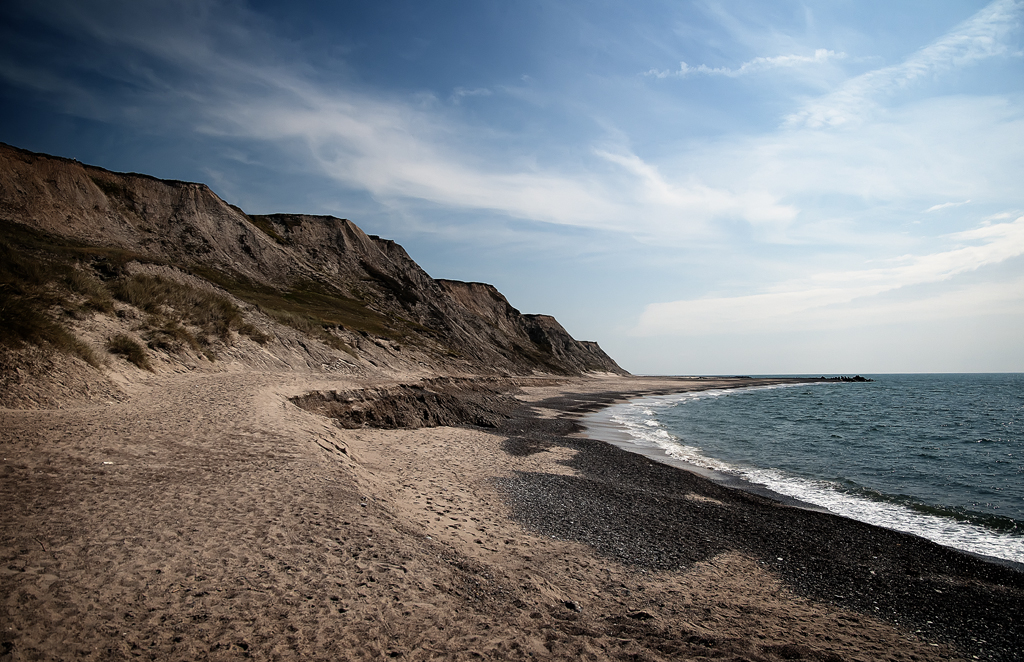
[107, 255]
[228, 435]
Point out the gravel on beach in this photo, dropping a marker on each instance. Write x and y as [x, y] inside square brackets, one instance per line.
[653, 516]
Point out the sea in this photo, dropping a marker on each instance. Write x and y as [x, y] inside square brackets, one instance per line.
[936, 455]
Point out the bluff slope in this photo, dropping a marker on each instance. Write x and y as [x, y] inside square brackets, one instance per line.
[101, 254]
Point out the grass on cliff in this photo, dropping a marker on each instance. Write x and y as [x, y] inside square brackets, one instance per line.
[131, 350]
[171, 303]
[314, 309]
[47, 281]
[36, 294]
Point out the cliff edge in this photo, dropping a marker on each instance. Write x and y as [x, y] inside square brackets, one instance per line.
[104, 264]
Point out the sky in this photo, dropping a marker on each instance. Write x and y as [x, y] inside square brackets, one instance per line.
[703, 187]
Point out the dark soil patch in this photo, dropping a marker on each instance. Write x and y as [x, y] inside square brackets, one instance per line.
[442, 401]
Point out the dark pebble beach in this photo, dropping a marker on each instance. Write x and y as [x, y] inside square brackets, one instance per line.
[643, 513]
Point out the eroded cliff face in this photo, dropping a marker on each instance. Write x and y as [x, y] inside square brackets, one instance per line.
[540, 336]
[314, 285]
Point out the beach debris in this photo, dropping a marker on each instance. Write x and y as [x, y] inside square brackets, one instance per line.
[640, 616]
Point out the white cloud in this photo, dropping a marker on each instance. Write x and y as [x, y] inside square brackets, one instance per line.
[935, 149]
[946, 205]
[395, 148]
[982, 36]
[396, 151]
[698, 202]
[756, 65]
[400, 150]
[460, 93]
[820, 301]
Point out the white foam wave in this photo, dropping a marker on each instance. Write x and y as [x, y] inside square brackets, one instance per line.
[635, 418]
[943, 530]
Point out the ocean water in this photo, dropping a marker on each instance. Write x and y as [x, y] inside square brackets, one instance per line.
[939, 456]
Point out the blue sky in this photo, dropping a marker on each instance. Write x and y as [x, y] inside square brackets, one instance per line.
[702, 187]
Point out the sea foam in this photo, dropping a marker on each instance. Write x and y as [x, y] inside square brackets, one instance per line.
[647, 427]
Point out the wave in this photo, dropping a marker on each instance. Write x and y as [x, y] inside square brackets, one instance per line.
[979, 533]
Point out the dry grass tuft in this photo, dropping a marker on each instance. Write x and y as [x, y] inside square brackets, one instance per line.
[131, 350]
[95, 293]
[28, 298]
[172, 303]
[46, 280]
[169, 335]
[23, 323]
[315, 309]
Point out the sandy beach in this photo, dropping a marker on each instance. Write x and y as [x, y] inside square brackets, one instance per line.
[209, 518]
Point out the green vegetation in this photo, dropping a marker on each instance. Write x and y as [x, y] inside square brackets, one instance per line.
[314, 308]
[131, 350]
[30, 289]
[35, 245]
[47, 280]
[170, 302]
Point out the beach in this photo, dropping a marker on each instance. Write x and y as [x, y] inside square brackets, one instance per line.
[208, 517]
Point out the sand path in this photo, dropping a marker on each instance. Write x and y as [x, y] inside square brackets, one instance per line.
[208, 518]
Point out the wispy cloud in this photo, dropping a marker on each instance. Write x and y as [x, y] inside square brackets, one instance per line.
[929, 151]
[695, 201]
[817, 301]
[196, 67]
[946, 205]
[720, 191]
[393, 147]
[460, 93]
[758, 64]
[984, 35]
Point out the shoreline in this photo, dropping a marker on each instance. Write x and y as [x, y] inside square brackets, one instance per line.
[208, 517]
[599, 426]
[621, 495]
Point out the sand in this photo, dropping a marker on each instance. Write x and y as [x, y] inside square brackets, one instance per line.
[208, 518]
